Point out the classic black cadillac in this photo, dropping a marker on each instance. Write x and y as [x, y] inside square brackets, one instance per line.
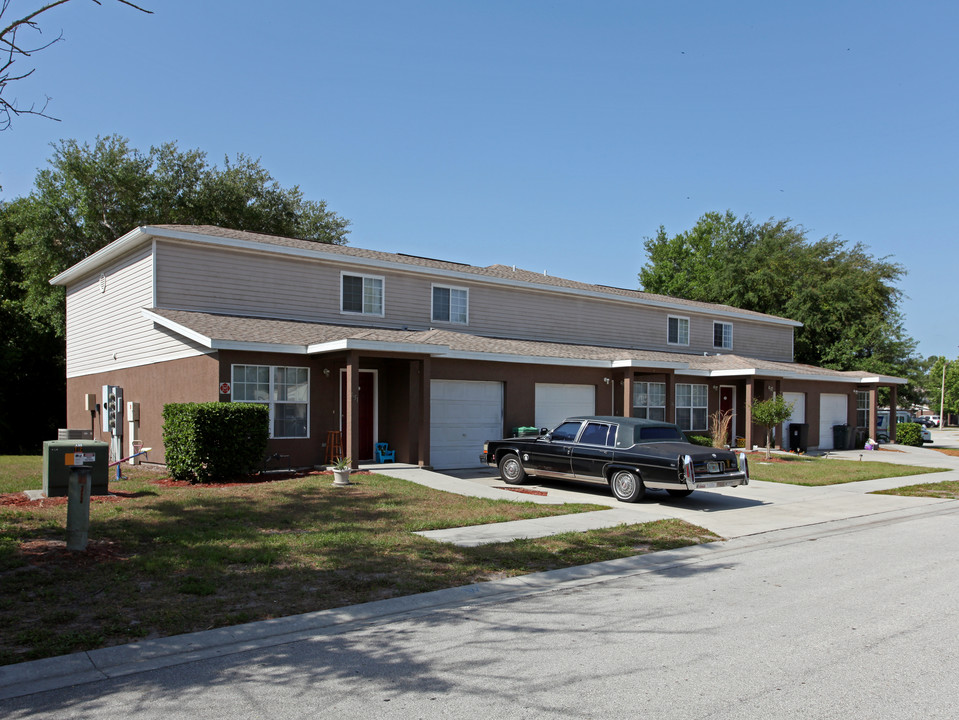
[628, 454]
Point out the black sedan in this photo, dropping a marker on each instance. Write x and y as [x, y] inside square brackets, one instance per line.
[628, 454]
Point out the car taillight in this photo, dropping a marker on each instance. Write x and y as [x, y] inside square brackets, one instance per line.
[688, 473]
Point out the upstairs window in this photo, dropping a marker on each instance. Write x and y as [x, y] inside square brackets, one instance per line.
[362, 294]
[723, 335]
[677, 330]
[450, 304]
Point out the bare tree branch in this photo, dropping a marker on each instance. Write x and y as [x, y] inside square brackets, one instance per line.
[11, 51]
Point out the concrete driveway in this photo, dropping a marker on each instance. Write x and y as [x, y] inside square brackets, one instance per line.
[728, 512]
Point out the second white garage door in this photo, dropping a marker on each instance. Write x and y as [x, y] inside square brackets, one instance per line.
[832, 411]
[556, 402]
[464, 414]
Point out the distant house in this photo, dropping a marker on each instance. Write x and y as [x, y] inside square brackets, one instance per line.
[433, 357]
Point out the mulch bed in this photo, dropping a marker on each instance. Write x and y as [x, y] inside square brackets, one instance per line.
[48, 553]
[21, 499]
[528, 491]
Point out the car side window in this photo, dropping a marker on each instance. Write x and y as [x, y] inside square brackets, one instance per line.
[598, 434]
[567, 431]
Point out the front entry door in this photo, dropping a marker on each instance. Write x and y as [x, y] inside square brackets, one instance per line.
[727, 403]
[367, 412]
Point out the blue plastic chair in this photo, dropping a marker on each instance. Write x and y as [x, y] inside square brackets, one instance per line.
[383, 453]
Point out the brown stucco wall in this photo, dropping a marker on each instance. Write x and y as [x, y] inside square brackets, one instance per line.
[188, 380]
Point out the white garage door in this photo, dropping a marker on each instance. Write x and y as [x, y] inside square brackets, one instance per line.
[555, 403]
[798, 401]
[832, 411]
[463, 415]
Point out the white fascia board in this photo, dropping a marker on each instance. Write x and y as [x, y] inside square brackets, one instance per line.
[659, 364]
[376, 346]
[101, 257]
[178, 328]
[882, 380]
[209, 342]
[524, 359]
[395, 265]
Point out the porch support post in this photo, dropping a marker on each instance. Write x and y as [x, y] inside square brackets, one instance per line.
[670, 396]
[892, 412]
[873, 411]
[748, 429]
[779, 428]
[628, 393]
[352, 439]
[423, 450]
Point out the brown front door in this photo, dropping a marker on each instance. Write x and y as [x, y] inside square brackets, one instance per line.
[727, 404]
[367, 412]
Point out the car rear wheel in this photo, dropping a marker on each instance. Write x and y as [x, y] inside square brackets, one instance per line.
[626, 486]
[511, 469]
[680, 493]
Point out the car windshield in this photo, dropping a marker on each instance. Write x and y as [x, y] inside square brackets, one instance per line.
[567, 431]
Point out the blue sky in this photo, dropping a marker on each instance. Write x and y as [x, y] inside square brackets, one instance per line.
[552, 135]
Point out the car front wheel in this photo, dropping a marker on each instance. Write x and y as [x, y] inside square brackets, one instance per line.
[627, 486]
[511, 469]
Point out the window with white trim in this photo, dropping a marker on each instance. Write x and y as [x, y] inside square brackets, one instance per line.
[649, 400]
[692, 406]
[361, 294]
[862, 408]
[450, 304]
[677, 330]
[723, 335]
[284, 390]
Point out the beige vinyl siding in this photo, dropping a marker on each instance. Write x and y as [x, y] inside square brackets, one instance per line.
[106, 331]
[217, 280]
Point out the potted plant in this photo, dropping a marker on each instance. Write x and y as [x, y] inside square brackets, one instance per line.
[341, 471]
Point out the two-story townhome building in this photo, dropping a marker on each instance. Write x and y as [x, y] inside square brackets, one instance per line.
[434, 357]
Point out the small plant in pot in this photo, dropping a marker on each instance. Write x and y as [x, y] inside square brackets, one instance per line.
[341, 471]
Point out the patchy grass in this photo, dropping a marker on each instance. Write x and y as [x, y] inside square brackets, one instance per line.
[166, 558]
[20, 472]
[813, 471]
[945, 489]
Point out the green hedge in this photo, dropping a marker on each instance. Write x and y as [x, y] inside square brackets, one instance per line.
[909, 434]
[705, 440]
[214, 441]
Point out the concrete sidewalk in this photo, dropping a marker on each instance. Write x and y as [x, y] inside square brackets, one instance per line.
[783, 513]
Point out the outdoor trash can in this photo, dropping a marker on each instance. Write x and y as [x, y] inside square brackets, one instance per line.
[840, 437]
[799, 436]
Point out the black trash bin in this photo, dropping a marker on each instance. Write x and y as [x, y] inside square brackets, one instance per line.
[840, 437]
[799, 436]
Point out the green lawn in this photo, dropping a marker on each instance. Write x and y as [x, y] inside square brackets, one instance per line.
[164, 560]
[805, 470]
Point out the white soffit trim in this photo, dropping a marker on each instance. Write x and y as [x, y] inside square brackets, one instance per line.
[320, 254]
[524, 359]
[377, 346]
[103, 256]
[664, 364]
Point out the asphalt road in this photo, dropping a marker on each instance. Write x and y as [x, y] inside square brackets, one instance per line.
[849, 619]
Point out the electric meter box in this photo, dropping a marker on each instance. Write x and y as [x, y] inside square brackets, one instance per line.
[59, 457]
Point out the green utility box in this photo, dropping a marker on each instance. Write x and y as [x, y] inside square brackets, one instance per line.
[525, 431]
[58, 461]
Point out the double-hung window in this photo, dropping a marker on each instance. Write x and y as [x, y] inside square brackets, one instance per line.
[862, 408]
[649, 400]
[692, 403]
[362, 294]
[284, 390]
[723, 335]
[677, 330]
[450, 304]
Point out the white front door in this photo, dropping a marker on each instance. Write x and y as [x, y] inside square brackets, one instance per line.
[464, 414]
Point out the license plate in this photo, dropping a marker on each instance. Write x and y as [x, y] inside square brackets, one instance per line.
[714, 467]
